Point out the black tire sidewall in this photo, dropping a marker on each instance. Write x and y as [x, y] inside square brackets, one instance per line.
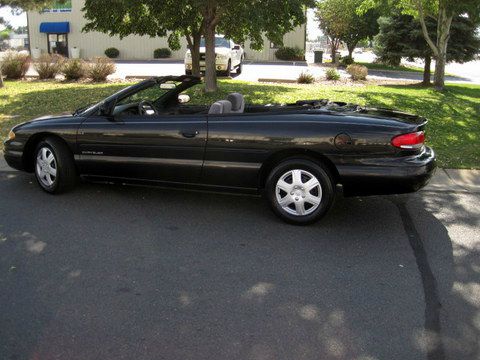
[53, 188]
[67, 176]
[316, 169]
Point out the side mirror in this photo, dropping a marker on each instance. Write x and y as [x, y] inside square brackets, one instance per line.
[236, 47]
[183, 98]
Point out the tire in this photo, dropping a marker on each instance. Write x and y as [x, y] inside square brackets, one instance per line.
[240, 67]
[188, 72]
[54, 166]
[228, 72]
[291, 200]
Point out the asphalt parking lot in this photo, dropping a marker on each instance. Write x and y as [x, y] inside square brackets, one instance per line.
[117, 272]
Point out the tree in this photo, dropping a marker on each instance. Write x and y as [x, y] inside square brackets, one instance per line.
[175, 18]
[240, 20]
[341, 22]
[443, 12]
[401, 36]
[22, 5]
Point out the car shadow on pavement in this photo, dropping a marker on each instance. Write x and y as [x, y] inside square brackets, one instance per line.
[114, 272]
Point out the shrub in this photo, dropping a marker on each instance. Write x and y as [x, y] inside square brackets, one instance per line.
[290, 54]
[74, 69]
[162, 53]
[347, 60]
[15, 65]
[48, 66]
[100, 68]
[332, 74]
[357, 71]
[305, 78]
[112, 53]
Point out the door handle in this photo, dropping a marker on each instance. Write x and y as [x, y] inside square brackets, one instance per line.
[189, 134]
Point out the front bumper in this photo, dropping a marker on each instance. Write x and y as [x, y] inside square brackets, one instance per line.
[13, 154]
[218, 65]
[388, 176]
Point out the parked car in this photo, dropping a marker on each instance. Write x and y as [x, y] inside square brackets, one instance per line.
[229, 56]
[295, 154]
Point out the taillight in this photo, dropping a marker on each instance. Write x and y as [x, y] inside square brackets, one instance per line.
[409, 141]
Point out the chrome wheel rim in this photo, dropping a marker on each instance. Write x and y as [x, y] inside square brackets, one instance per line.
[46, 166]
[298, 192]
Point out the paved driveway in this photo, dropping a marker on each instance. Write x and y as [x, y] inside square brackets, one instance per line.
[116, 272]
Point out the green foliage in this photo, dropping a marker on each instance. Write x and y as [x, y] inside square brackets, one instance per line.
[48, 66]
[357, 72]
[112, 53]
[100, 68]
[401, 36]
[162, 53]
[15, 65]
[290, 54]
[453, 130]
[305, 78]
[74, 69]
[346, 60]
[238, 20]
[332, 74]
[339, 19]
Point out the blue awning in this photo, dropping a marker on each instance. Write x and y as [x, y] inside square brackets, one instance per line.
[55, 27]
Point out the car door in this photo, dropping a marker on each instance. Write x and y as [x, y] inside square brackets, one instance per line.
[150, 147]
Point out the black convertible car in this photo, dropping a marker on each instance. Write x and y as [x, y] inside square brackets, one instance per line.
[295, 154]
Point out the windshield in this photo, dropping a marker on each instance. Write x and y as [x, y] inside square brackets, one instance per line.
[219, 42]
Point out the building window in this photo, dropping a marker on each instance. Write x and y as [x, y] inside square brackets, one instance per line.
[58, 44]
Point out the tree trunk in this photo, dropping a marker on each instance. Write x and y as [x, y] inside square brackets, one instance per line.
[195, 51]
[439, 77]
[426, 71]
[333, 49]
[210, 59]
[1, 78]
[439, 49]
[350, 48]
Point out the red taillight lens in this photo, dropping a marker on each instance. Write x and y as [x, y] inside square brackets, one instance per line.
[409, 141]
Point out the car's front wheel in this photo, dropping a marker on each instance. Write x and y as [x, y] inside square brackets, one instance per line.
[54, 166]
[300, 191]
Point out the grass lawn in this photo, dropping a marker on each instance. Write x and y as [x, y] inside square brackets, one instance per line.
[453, 131]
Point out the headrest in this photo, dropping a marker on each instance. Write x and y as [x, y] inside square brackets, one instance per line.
[221, 107]
[238, 102]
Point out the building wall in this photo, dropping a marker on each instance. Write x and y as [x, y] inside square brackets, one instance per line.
[133, 47]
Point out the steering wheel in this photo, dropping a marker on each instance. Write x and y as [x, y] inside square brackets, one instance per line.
[144, 106]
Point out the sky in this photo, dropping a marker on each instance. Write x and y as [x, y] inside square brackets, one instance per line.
[14, 20]
[21, 20]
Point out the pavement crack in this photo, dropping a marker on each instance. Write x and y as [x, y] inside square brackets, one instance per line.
[435, 349]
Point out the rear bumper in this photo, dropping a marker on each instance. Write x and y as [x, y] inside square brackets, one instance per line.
[388, 176]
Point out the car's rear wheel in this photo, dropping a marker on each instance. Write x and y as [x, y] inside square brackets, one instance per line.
[300, 191]
[54, 166]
